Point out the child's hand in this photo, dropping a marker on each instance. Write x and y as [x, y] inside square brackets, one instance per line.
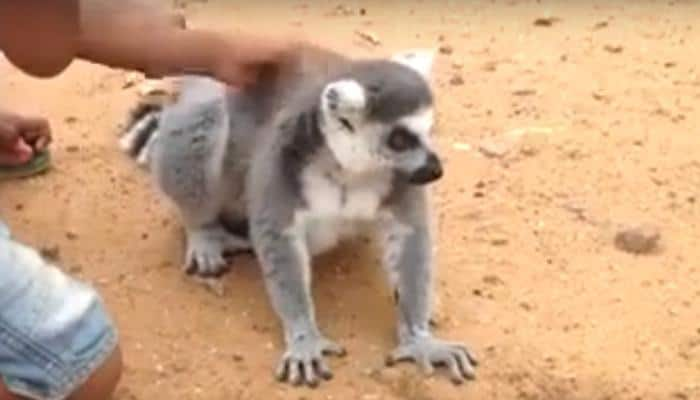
[249, 56]
[21, 137]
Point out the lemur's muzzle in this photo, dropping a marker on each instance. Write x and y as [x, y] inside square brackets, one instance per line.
[429, 172]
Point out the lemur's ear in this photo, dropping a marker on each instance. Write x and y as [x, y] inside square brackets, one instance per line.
[344, 98]
[419, 60]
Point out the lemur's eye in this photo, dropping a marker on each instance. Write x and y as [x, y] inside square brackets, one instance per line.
[401, 139]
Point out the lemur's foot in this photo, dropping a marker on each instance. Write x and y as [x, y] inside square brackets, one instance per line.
[430, 352]
[207, 249]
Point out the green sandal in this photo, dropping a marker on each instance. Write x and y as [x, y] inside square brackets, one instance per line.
[38, 164]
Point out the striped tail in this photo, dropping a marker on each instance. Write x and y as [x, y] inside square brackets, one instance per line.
[141, 131]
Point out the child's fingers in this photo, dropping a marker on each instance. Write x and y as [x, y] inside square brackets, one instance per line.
[238, 75]
[36, 131]
[23, 150]
[16, 154]
[8, 134]
[42, 143]
[8, 158]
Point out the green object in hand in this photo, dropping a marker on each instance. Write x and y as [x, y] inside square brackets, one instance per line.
[38, 164]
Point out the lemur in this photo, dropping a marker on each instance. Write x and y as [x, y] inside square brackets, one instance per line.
[327, 148]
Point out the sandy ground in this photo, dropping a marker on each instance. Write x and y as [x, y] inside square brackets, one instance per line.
[559, 124]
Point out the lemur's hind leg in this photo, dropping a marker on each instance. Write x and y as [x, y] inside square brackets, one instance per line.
[187, 166]
[208, 248]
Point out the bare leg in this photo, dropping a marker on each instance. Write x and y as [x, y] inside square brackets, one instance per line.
[68, 325]
[104, 381]
[5, 395]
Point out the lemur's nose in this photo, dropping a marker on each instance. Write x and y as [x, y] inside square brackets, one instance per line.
[429, 172]
[434, 166]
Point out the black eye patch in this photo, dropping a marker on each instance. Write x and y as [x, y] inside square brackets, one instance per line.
[401, 139]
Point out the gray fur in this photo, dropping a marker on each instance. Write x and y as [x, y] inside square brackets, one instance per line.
[300, 163]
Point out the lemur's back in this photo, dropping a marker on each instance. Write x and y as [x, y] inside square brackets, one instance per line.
[247, 112]
[162, 135]
[285, 89]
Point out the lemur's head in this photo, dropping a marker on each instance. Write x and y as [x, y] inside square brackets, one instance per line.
[379, 115]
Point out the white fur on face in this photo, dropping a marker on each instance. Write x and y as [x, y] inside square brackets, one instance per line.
[353, 147]
[420, 123]
[355, 152]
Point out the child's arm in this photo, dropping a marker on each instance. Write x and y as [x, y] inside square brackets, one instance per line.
[233, 59]
[42, 37]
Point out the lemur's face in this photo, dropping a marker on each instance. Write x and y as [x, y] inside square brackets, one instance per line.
[380, 115]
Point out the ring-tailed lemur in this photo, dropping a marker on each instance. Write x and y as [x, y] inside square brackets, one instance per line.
[294, 165]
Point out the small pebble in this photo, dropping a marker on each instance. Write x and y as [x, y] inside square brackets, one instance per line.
[600, 25]
[492, 280]
[446, 49]
[680, 396]
[638, 239]
[493, 148]
[51, 253]
[457, 80]
[528, 150]
[524, 92]
[545, 21]
[613, 49]
[499, 241]
[369, 37]
[462, 146]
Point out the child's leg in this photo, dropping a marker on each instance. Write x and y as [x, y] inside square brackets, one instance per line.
[56, 340]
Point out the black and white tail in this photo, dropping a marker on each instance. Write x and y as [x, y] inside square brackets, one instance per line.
[141, 131]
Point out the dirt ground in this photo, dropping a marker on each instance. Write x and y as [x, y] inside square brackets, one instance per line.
[559, 124]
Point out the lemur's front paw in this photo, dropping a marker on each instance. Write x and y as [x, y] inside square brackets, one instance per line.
[430, 352]
[303, 361]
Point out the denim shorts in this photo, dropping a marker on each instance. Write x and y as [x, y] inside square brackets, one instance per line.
[54, 330]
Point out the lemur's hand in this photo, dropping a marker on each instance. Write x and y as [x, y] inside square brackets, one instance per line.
[303, 362]
[429, 352]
